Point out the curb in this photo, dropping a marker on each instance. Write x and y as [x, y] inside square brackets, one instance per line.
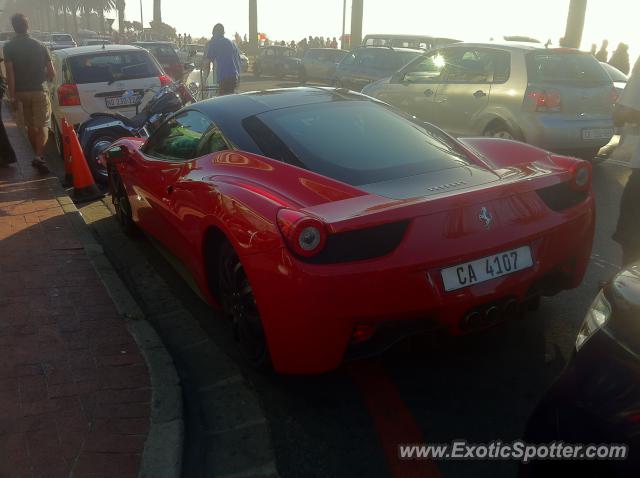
[162, 455]
[229, 434]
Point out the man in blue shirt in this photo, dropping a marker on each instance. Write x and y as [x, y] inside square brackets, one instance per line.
[224, 54]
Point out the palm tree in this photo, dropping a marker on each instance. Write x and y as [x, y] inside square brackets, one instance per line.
[100, 7]
[120, 6]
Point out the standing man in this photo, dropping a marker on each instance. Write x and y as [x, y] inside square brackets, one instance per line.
[627, 110]
[29, 67]
[602, 54]
[226, 59]
[7, 154]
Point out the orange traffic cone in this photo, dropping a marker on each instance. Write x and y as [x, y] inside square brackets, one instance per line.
[66, 152]
[84, 187]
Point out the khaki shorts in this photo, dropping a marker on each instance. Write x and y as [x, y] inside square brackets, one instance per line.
[36, 108]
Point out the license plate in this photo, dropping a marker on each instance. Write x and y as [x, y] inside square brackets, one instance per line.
[119, 101]
[487, 268]
[597, 133]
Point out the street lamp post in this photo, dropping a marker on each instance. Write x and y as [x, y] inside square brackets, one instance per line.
[253, 26]
[344, 24]
[357, 10]
[575, 24]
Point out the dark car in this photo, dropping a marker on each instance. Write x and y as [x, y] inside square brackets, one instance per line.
[320, 64]
[597, 398]
[278, 61]
[368, 64]
[167, 55]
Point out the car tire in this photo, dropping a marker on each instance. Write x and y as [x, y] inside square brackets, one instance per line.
[120, 200]
[238, 303]
[96, 145]
[502, 131]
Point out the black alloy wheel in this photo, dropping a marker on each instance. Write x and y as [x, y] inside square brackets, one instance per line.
[121, 203]
[238, 302]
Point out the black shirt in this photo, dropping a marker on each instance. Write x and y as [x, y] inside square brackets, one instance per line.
[29, 58]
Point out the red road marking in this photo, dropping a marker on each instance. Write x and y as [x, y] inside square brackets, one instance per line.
[392, 419]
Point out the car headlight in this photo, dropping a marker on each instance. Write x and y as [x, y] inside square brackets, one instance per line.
[597, 316]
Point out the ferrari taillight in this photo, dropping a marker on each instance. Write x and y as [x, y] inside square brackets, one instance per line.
[305, 235]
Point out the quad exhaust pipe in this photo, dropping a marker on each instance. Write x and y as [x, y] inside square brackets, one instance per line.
[490, 315]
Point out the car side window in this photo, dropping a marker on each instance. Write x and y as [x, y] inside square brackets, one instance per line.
[469, 66]
[212, 141]
[427, 69]
[350, 59]
[179, 138]
[502, 66]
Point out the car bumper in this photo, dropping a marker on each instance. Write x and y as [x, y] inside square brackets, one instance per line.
[310, 311]
[558, 133]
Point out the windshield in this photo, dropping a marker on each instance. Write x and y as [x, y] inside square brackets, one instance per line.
[112, 66]
[615, 74]
[356, 142]
[561, 67]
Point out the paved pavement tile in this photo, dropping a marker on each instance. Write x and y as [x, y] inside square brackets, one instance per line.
[74, 389]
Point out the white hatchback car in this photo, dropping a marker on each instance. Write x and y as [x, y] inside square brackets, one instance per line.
[94, 79]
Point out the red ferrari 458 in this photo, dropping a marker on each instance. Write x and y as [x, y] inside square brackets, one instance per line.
[328, 225]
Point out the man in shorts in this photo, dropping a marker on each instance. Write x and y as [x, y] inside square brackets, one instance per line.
[29, 66]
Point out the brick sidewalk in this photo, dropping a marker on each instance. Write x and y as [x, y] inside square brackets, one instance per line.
[74, 388]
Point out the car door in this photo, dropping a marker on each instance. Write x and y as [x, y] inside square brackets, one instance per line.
[413, 89]
[164, 159]
[345, 70]
[464, 94]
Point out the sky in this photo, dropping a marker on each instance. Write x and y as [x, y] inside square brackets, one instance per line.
[616, 20]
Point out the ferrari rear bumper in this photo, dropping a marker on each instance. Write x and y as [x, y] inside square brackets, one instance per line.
[313, 314]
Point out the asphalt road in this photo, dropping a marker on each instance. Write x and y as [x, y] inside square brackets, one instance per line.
[480, 388]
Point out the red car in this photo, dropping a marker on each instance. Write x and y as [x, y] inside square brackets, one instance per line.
[329, 225]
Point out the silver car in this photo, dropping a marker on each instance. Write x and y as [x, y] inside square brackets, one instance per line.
[557, 99]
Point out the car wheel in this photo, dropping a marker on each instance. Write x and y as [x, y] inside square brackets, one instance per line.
[96, 146]
[500, 130]
[238, 302]
[121, 203]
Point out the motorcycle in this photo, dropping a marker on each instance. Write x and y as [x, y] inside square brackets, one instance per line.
[102, 129]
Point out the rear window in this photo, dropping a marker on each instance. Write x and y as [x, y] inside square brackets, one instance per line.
[112, 66]
[62, 38]
[559, 67]
[162, 52]
[356, 142]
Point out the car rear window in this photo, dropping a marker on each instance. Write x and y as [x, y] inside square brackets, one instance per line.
[62, 38]
[112, 66]
[565, 67]
[356, 142]
[162, 52]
